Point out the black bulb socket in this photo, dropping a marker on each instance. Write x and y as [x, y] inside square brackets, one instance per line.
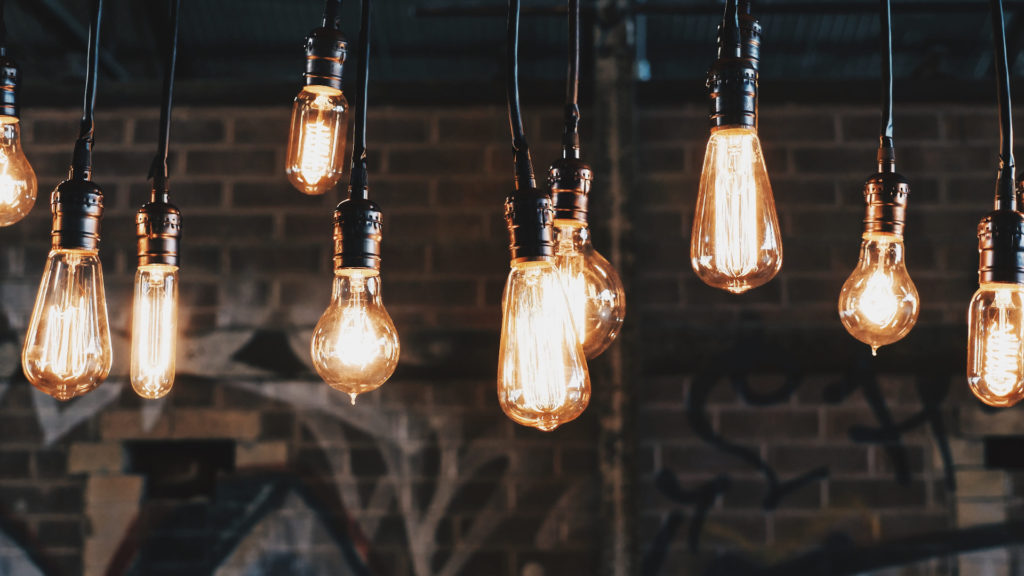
[158, 231]
[326, 50]
[1001, 247]
[886, 195]
[569, 180]
[358, 223]
[530, 215]
[76, 206]
[732, 79]
[10, 78]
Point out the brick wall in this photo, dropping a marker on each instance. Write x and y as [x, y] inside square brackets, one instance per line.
[763, 432]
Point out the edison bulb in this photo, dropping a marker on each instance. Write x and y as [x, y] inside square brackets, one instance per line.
[878, 304]
[735, 243]
[995, 344]
[67, 349]
[154, 330]
[543, 379]
[355, 344]
[592, 286]
[17, 179]
[316, 143]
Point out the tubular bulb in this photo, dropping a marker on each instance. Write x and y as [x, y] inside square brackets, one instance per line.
[543, 379]
[878, 304]
[67, 349]
[316, 143]
[995, 344]
[355, 345]
[17, 179]
[154, 330]
[592, 286]
[735, 243]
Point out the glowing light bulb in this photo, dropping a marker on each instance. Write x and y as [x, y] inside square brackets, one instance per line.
[995, 344]
[67, 349]
[735, 243]
[592, 286]
[878, 304]
[543, 379]
[154, 330]
[17, 179]
[355, 344]
[316, 143]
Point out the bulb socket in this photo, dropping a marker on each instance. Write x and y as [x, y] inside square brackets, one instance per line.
[530, 215]
[77, 208]
[886, 196]
[1001, 247]
[569, 180]
[358, 223]
[326, 50]
[10, 78]
[732, 79]
[158, 230]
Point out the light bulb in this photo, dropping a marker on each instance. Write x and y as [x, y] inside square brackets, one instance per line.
[17, 179]
[735, 243]
[592, 286]
[995, 343]
[355, 344]
[878, 303]
[316, 143]
[543, 379]
[154, 330]
[67, 349]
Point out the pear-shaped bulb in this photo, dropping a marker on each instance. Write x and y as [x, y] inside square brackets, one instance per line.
[735, 243]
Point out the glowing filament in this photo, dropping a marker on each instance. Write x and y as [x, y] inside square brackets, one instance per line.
[736, 204]
[1001, 361]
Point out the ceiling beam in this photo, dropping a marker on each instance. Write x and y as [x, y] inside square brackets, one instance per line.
[53, 15]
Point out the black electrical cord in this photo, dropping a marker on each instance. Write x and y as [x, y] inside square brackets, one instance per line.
[730, 43]
[332, 13]
[158, 170]
[81, 164]
[1005, 193]
[3, 29]
[886, 150]
[358, 179]
[571, 134]
[520, 147]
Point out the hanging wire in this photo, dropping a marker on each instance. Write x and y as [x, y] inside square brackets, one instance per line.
[332, 14]
[81, 164]
[730, 43]
[1005, 186]
[886, 150]
[158, 170]
[520, 147]
[571, 134]
[3, 28]
[358, 179]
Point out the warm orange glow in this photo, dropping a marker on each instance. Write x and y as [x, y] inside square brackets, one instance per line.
[995, 344]
[878, 304]
[154, 330]
[543, 379]
[316, 143]
[735, 244]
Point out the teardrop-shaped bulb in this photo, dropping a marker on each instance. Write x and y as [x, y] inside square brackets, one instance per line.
[316, 143]
[592, 286]
[154, 330]
[17, 179]
[878, 304]
[355, 345]
[735, 244]
[543, 379]
[995, 344]
[67, 348]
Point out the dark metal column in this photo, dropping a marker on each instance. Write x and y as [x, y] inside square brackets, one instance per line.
[615, 153]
